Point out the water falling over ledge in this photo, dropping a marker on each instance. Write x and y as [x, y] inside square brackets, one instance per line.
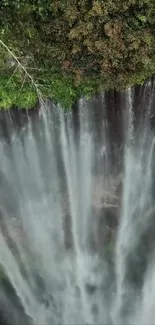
[77, 212]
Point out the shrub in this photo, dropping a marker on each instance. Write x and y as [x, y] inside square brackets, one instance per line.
[70, 44]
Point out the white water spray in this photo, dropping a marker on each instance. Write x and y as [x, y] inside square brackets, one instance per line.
[59, 198]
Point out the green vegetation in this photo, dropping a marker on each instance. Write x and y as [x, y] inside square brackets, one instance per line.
[73, 47]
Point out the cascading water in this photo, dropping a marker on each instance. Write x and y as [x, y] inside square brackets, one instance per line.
[77, 214]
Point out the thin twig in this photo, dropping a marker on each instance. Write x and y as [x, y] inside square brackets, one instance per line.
[23, 83]
[12, 75]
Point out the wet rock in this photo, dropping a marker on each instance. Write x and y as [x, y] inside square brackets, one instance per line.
[11, 310]
[90, 288]
[68, 237]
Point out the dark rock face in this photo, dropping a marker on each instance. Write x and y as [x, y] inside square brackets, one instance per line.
[68, 237]
[7, 196]
[3, 321]
[15, 119]
[11, 311]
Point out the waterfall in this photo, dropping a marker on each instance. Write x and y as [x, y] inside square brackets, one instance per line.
[77, 211]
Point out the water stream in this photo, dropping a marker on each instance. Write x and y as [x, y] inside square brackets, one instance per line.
[77, 209]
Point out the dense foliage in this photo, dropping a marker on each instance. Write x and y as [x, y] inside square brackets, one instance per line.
[74, 47]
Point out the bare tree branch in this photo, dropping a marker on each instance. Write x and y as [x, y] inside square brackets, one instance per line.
[19, 64]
